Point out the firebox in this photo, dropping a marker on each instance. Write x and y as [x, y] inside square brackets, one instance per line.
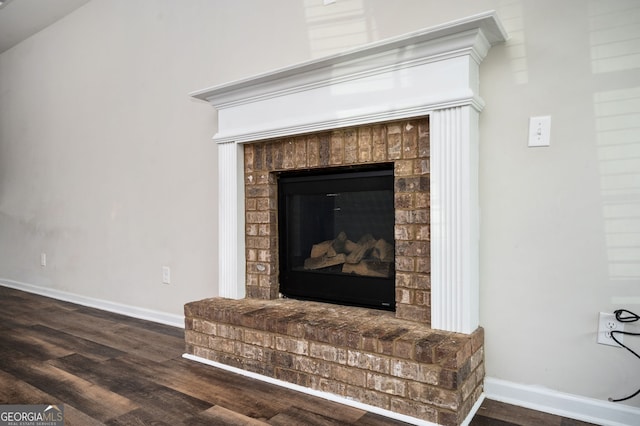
[336, 236]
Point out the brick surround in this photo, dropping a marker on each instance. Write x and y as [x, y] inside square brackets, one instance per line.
[404, 143]
[394, 361]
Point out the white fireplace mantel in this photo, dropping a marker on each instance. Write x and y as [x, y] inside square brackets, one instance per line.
[431, 72]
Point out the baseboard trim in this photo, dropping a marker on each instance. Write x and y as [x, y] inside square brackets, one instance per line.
[105, 305]
[562, 404]
[326, 395]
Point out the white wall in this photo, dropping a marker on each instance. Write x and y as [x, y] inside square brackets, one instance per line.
[107, 165]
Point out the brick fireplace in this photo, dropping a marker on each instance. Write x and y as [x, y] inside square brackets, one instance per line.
[412, 102]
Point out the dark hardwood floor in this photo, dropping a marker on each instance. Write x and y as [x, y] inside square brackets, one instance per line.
[116, 370]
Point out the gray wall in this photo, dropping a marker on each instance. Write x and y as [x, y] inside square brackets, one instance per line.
[108, 166]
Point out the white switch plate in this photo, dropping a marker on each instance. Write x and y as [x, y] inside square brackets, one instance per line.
[166, 275]
[540, 131]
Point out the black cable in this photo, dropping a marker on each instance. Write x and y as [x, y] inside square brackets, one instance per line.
[624, 315]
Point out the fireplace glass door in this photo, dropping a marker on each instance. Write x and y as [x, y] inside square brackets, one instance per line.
[336, 237]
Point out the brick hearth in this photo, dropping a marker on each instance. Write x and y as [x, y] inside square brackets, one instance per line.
[360, 354]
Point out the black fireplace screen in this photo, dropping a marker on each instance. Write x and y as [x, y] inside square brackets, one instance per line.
[336, 236]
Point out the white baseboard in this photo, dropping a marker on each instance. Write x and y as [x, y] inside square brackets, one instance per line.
[562, 404]
[329, 396]
[105, 305]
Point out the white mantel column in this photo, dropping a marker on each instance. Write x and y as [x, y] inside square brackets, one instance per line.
[454, 219]
[231, 226]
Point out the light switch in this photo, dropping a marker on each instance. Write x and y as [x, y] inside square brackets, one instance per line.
[540, 131]
[166, 275]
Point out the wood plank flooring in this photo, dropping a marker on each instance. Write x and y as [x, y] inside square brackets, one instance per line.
[116, 370]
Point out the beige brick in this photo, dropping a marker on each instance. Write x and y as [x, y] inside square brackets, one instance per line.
[421, 166]
[432, 395]
[257, 191]
[328, 352]
[312, 366]
[413, 248]
[414, 409]
[258, 217]
[422, 200]
[324, 148]
[251, 229]
[377, 399]
[263, 204]
[429, 374]
[420, 314]
[205, 353]
[405, 369]
[368, 361]
[423, 264]
[348, 375]
[223, 345]
[405, 232]
[277, 155]
[267, 280]
[313, 151]
[394, 146]
[229, 331]
[258, 338]
[328, 385]
[205, 327]
[403, 295]
[252, 280]
[423, 141]
[403, 168]
[403, 200]
[423, 232]
[350, 146]
[337, 148]
[288, 162]
[365, 145]
[264, 256]
[248, 158]
[409, 140]
[267, 229]
[196, 339]
[300, 153]
[264, 178]
[405, 264]
[386, 384]
[295, 346]
[251, 204]
[421, 297]
[379, 142]
[250, 352]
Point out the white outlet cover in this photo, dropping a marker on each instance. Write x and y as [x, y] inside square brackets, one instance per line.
[606, 323]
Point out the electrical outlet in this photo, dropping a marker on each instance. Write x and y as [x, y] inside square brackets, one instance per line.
[606, 325]
[166, 275]
[43, 259]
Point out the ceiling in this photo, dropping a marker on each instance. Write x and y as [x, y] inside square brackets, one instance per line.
[20, 19]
